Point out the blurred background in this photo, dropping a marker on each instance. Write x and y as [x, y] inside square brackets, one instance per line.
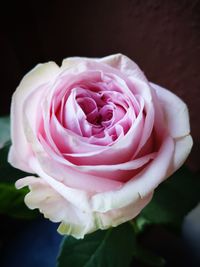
[162, 37]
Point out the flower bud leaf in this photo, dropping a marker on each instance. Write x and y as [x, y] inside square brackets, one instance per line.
[12, 202]
[148, 258]
[11, 199]
[4, 130]
[112, 248]
[173, 199]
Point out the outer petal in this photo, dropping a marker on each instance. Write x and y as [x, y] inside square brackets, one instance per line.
[183, 147]
[175, 111]
[108, 219]
[177, 121]
[117, 61]
[125, 65]
[78, 198]
[117, 216]
[75, 222]
[20, 150]
[43, 197]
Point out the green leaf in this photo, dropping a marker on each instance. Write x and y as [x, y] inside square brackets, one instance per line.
[11, 199]
[8, 174]
[4, 129]
[12, 202]
[148, 258]
[173, 199]
[108, 248]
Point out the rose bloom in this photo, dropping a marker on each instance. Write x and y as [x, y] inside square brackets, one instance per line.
[99, 138]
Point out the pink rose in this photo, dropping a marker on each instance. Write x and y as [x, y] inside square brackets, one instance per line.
[99, 137]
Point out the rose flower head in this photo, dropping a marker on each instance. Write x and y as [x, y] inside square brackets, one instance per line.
[98, 139]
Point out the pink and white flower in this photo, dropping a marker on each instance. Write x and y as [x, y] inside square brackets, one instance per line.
[99, 137]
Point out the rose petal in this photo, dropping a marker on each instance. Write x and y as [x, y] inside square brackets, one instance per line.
[71, 177]
[20, 149]
[144, 183]
[183, 147]
[56, 208]
[77, 197]
[118, 216]
[111, 218]
[117, 61]
[77, 146]
[175, 111]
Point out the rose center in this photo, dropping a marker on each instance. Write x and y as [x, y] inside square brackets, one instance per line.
[96, 113]
[105, 114]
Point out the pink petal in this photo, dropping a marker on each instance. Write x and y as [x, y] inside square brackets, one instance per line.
[20, 151]
[175, 111]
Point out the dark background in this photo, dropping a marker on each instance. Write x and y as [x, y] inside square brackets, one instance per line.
[163, 37]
